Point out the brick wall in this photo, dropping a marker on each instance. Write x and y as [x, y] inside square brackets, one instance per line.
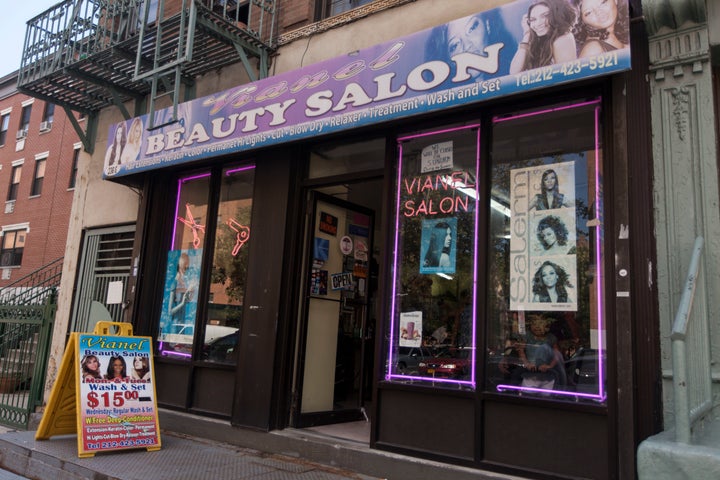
[48, 213]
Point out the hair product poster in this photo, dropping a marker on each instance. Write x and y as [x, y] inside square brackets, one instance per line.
[177, 320]
[543, 237]
[438, 245]
[410, 329]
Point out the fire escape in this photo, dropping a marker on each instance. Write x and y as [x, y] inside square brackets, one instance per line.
[86, 55]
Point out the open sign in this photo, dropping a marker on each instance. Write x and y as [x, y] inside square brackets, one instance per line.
[340, 281]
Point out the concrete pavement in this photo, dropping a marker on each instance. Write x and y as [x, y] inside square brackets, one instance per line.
[212, 448]
[180, 458]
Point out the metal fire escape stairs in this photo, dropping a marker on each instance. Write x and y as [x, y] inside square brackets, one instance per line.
[86, 55]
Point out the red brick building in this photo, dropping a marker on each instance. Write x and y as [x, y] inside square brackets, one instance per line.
[39, 151]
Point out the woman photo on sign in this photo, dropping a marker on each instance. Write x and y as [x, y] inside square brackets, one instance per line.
[114, 152]
[90, 366]
[438, 252]
[482, 34]
[547, 37]
[550, 284]
[602, 26]
[141, 368]
[549, 197]
[553, 236]
[132, 147]
[117, 369]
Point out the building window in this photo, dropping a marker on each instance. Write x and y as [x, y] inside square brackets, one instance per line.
[152, 13]
[224, 295]
[178, 319]
[13, 244]
[4, 124]
[540, 320]
[545, 329]
[14, 182]
[25, 121]
[435, 261]
[48, 117]
[38, 177]
[330, 8]
[74, 169]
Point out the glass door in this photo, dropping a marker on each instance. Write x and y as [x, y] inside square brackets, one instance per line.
[338, 256]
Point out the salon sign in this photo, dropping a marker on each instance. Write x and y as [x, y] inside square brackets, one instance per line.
[469, 60]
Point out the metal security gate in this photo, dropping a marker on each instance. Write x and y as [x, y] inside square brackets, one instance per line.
[25, 334]
[106, 258]
[27, 314]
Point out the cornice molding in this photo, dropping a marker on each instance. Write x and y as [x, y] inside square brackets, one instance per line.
[663, 16]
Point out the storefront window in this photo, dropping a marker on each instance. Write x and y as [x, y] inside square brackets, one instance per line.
[184, 263]
[217, 321]
[545, 318]
[432, 332]
[229, 268]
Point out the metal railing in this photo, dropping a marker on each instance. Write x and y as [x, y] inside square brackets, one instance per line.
[74, 30]
[34, 287]
[692, 375]
[27, 313]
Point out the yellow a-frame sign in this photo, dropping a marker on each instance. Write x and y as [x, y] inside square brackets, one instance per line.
[105, 392]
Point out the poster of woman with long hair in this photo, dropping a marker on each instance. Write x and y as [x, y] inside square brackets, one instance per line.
[438, 245]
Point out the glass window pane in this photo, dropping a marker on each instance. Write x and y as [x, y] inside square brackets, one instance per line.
[432, 335]
[545, 330]
[184, 262]
[229, 268]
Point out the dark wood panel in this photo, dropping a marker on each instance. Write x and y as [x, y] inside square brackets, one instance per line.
[543, 439]
[213, 390]
[432, 423]
[171, 384]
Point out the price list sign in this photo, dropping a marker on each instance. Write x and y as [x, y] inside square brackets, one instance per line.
[116, 396]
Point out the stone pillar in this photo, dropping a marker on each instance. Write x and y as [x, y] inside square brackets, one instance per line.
[685, 166]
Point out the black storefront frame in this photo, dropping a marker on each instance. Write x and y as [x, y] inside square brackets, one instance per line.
[481, 397]
[276, 410]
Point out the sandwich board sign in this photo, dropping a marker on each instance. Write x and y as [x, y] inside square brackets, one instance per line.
[105, 392]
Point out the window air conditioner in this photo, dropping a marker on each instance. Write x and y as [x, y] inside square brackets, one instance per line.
[45, 126]
[22, 133]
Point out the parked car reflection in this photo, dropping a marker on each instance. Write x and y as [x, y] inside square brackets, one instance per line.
[222, 349]
[409, 359]
[447, 363]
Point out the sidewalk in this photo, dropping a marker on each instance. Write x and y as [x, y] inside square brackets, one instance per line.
[211, 448]
[180, 458]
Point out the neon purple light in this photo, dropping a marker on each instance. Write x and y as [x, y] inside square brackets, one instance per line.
[540, 112]
[437, 132]
[599, 206]
[395, 265]
[601, 395]
[502, 388]
[389, 375]
[177, 203]
[239, 169]
[475, 260]
[171, 352]
[175, 354]
[195, 177]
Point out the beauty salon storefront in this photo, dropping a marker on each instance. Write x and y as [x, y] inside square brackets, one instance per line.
[409, 233]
